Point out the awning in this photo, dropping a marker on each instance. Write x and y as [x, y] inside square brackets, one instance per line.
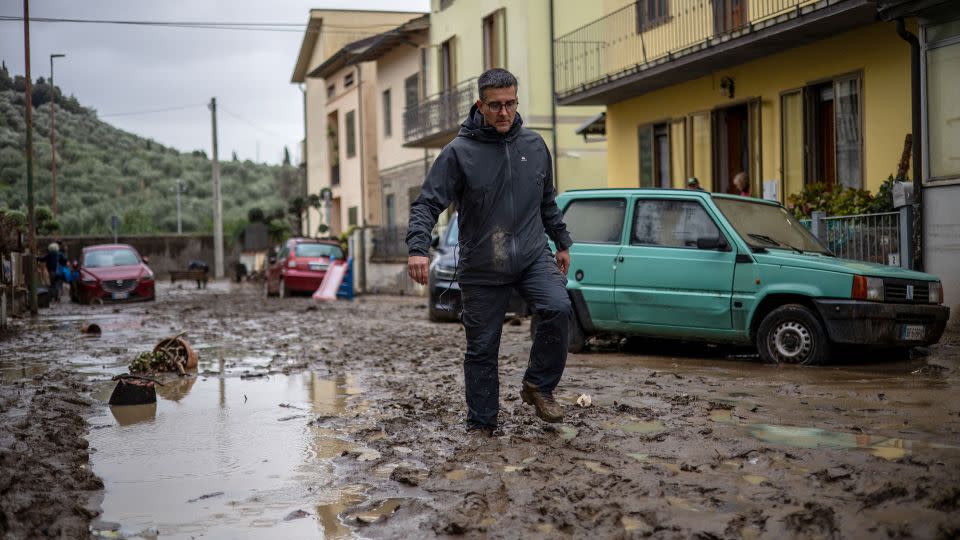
[596, 125]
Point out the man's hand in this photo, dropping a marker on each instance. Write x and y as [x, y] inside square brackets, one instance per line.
[419, 267]
[563, 261]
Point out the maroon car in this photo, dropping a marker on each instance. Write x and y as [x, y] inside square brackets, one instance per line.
[113, 272]
[300, 266]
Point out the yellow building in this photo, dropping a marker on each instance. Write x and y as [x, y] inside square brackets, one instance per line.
[468, 37]
[788, 92]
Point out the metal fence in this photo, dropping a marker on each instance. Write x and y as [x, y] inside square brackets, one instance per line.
[389, 244]
[650, 32]
[866, 237]
[440, 112]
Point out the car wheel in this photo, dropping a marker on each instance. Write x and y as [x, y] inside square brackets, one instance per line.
[432, 312]
[577, 342]
[283, 289]
[792, 334]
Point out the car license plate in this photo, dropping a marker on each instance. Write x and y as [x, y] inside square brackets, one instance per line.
[913, 332]
[317, 266]
[121, 295]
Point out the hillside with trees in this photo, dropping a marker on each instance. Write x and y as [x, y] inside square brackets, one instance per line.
[103, 171]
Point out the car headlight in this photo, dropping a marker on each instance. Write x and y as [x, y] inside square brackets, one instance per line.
[867, 288]
[936, 293]
[446, 272]
[292, 264]
[88, 281]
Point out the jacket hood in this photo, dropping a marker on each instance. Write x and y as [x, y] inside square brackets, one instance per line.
[474, 128]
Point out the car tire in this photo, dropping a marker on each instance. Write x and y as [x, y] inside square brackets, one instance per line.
[433, 313]
[792, 334]
[578, 340]
[283, 292]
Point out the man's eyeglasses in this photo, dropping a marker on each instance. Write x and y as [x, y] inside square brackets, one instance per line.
[497, 106]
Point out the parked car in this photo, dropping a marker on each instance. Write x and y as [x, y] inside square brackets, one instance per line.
[445, 304]
[727, 269]
[113, 272]
[300, 265]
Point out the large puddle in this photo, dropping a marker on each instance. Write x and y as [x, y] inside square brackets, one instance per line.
[226, 457]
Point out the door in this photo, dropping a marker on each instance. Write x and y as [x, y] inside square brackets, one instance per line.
[596, 226]
[662, 279]
[732, 133]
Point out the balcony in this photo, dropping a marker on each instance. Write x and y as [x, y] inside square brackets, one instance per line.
[436, 120]
[653, 44]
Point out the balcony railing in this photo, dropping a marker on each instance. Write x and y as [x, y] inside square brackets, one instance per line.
[643, 35]
[439, 116]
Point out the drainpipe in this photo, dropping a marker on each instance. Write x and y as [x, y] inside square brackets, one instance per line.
[553, 102]
[303, 158]
[916, 128]
[359, 132]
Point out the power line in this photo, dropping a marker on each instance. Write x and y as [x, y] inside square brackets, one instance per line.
[285, 138]
[212, 25]
[152, 111]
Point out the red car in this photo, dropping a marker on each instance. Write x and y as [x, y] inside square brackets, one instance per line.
[300, 266]
[113, 272]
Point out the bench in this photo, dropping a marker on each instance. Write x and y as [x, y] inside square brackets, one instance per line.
[200, 276]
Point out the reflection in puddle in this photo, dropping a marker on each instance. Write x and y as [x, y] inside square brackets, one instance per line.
[379, 512]
[329, 513]
[649, 427]
[806, 437]
[222, 435]
[456, 475]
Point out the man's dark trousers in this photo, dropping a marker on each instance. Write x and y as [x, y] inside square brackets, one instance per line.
[543, 288]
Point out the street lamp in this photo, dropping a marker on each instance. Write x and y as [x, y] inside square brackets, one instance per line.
[53, 137]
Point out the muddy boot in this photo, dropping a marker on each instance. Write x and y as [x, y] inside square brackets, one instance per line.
[547, 408]
[481, 430]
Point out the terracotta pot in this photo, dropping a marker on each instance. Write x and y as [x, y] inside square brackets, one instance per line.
[180, 343]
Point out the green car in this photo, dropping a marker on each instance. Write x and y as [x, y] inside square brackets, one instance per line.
[691, 265]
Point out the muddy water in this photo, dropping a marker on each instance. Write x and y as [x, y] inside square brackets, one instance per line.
[226, 458]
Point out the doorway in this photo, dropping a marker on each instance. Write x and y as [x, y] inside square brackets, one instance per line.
[732, 135]
[822, 143]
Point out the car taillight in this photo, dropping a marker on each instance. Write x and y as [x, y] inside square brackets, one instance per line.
[867, 288]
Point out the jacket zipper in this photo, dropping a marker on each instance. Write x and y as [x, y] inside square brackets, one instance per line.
[513, 209]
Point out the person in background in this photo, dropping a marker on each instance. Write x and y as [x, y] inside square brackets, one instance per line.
[742, 184]
[55, 261]
[694, 184]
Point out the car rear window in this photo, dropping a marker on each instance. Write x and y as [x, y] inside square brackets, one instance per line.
[595, 221]
[103, 258]
[318, 250]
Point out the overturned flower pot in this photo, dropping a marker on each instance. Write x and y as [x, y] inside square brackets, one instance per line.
[133, 390]
[171, 355]
[180, 349]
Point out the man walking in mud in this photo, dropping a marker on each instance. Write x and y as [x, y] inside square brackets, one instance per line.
[499, 175]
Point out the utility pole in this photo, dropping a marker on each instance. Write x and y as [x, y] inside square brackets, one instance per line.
[53, 138]
[31, 215]
[217, 203]
[179, 190]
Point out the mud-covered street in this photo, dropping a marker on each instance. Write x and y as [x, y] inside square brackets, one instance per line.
[309, 420]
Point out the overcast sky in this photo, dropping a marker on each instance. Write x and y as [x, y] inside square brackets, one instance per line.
[126, 69]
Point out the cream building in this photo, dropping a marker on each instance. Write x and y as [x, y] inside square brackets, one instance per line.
[341, 113]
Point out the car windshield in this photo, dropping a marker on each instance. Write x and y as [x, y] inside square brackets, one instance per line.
[318, 250]
[768, 226]
[102, 258]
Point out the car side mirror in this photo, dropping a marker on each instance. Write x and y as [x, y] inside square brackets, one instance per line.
[271, 260]
[435, 242]
[146, 260]
[712, 242]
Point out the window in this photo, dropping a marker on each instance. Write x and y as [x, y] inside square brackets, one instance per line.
[331, 90]
[669, 223]
[495, 40]
[411, 91]
[654, 155]
[390, 210]
[832, 132]
[943, 108]
[333, 147]
[352, 216]
[651, 13]
[595, 221]
[351, 128]
[387, 114]
[348, 80]
[791, 141]
[447, 66]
